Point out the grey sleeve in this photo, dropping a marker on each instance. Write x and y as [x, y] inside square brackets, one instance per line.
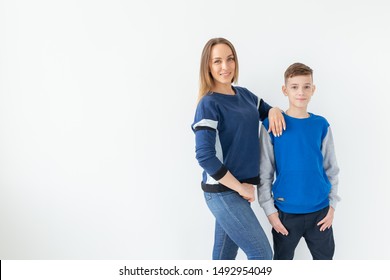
[267, 171]
[330, 166]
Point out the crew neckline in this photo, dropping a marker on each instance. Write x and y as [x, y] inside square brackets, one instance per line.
[225, 94]
[295, 118]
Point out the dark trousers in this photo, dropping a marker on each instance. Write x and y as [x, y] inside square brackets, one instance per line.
[320, 243]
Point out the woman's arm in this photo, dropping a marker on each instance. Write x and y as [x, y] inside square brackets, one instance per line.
[247, 191]
[206, 154]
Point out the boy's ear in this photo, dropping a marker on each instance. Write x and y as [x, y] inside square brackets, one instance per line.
[314, 89]
[284, 90]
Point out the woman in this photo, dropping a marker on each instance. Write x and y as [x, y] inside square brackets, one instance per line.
[226, 128]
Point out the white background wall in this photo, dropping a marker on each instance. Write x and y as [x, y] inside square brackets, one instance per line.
[97, 98]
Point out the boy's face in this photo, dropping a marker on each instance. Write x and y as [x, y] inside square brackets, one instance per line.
[299, 90]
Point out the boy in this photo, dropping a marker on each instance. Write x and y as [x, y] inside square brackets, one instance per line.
[302, 200]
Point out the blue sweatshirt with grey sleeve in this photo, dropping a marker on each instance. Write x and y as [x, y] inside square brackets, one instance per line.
[304, 162]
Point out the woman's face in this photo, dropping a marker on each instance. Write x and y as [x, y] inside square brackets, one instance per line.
[222, 64]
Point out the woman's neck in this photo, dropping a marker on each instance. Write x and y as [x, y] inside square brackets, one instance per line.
[224, 89]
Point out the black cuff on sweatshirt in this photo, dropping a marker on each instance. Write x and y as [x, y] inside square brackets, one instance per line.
[252, 181]
[220, 173]
[217, 188]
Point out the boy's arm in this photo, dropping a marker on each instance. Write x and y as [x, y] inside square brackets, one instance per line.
[267, 171]
[331, 167]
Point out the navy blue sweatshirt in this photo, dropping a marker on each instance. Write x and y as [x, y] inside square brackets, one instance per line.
[226, 131]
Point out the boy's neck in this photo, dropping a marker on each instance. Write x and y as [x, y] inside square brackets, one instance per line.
[299, 113]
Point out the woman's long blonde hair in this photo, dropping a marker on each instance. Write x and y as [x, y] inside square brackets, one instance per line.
[206, 80]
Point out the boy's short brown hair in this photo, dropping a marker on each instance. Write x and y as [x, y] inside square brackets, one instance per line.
[297, 69]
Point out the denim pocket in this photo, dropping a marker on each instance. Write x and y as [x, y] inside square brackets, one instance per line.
[227, 193]
[208, 196]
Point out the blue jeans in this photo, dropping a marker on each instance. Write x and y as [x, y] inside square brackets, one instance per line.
[236, 227]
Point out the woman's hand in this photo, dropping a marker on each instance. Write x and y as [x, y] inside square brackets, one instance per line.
[276, 122]
[247, 191]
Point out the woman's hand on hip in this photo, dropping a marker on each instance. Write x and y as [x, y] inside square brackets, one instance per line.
[247, 191]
